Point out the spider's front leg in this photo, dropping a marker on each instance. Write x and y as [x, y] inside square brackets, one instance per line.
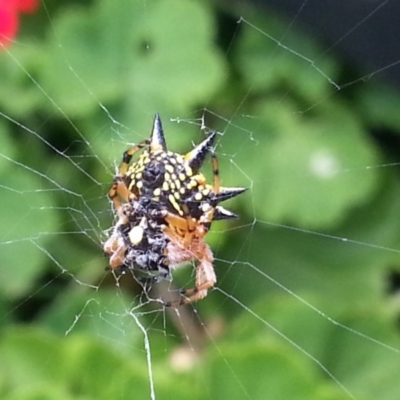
[115, 248]
[119, 189]
[205, 278]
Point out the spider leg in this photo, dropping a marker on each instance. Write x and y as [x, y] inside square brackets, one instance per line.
[117, 258]
[115, 248]
[175, 220]
[127, 157]
[185, 230]
[215, 167]
[119, 188]
[205, 278]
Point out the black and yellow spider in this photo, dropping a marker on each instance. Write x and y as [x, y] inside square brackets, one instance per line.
[165, 208]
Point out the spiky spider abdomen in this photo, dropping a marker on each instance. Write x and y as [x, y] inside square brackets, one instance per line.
[165, 208]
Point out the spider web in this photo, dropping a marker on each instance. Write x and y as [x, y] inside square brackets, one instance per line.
[307, 280]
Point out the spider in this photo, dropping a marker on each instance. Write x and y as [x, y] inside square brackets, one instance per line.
[165, 208]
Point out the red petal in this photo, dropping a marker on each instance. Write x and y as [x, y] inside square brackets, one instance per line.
[8, 25]
[11, 5]
[27, 6]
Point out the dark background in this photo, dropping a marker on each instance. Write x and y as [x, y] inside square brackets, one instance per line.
[367, 33]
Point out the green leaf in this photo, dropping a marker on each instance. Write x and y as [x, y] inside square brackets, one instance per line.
[270, 56]
[310, 171]
[351, 346]
[134, 52]
[24, 229]
[97, 371]
[30, 359]
[104, 312]
[7, 146]
[379, 105]
[349, 265]
[19, 95]
[36, 363]
[366, 367]
[261, 369]
[45, 393]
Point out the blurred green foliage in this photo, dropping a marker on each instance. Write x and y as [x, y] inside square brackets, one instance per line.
[319, 227]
